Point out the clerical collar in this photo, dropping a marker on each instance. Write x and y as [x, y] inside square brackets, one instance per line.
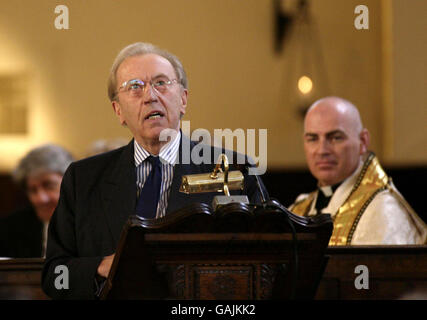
[328, 191]
[324, 196]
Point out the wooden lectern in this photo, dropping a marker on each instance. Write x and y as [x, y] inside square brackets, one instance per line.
[237, 252]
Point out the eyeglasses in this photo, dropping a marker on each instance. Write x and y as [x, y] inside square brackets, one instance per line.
[135, 87]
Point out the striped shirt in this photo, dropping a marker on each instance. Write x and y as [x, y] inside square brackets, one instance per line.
[168, 155]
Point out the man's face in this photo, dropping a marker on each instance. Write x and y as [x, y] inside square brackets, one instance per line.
[332, 145]
[135, 111]
[43, 193]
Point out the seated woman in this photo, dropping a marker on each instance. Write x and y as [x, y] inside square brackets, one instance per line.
[23, 234]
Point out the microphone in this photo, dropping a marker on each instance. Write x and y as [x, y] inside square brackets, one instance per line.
[245, 169]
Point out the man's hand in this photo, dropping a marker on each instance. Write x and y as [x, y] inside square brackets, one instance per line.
[105, 266]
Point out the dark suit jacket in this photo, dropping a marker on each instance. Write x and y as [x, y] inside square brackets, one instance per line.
[97, 196]
[21, 235]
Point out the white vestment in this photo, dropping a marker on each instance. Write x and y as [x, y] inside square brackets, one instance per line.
[386, 220]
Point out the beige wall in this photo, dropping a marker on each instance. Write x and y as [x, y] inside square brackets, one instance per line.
[409, 83]
[234, 75]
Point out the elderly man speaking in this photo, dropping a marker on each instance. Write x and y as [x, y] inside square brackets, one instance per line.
[148, 91]
[366, 207]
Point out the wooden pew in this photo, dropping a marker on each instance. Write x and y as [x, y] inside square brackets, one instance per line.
[20, 279]
[394, 272]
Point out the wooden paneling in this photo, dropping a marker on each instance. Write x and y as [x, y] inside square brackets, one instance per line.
[394, 272]
[20, 279]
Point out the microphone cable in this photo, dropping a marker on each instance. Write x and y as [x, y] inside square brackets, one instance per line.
[273, 203]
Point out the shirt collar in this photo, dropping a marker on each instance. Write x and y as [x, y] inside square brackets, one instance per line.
[328, 191]
[168, 153]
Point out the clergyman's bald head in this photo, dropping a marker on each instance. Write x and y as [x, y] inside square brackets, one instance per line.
[340, 108]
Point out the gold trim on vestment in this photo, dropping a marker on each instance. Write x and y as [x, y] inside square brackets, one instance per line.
[371, 180]
[302, 207]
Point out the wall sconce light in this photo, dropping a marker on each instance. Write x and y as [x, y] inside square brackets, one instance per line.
[296, 38]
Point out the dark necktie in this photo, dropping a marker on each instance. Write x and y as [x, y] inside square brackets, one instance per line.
[150, 193]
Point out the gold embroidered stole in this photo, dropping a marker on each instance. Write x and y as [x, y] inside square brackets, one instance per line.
[371, 180]
[302, 207]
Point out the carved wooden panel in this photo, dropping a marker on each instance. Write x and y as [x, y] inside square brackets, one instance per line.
[267, 277]
[227, 282]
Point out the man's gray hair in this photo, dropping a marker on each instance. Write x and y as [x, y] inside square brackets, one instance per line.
[138, 49]
[46, 158]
